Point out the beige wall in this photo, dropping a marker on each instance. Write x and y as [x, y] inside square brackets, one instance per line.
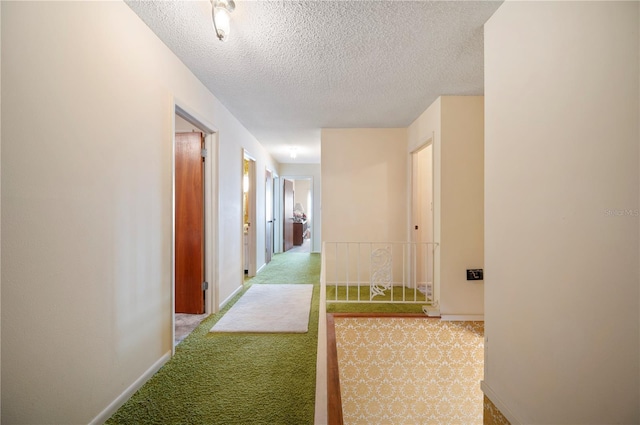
[87, 115]
[455, 125]
[561, 212]
[302, 188]
[462, 198]
[364, 185]
[313, 171]
[184, 126]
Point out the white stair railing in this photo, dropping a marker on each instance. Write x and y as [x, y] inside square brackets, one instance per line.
[379, 272]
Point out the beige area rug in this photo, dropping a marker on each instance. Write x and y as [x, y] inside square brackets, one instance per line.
[410, 371]
[269, 308]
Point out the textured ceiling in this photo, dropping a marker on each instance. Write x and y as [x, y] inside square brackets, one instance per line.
[290, 68]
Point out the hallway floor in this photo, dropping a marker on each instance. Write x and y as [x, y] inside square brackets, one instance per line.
[305, 247]
[185, 324]
[237, 378]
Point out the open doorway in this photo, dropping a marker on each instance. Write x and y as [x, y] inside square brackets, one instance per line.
[297, 214]
[193, 210]
[269, 215]
[248, 214]
[422, 219]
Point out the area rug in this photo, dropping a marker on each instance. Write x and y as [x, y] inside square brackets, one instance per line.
[269, 308]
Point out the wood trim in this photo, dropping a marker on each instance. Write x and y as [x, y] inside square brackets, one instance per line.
[334, 398]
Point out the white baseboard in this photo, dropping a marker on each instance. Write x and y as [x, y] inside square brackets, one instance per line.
[126, 394]
[230, 297]
[261, 267]
[463, 317]
[321, 414]
[499, 404]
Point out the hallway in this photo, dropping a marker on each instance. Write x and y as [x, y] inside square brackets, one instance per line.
[237, 378]
[305, 248]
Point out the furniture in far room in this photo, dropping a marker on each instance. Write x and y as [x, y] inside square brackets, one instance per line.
[299, 229]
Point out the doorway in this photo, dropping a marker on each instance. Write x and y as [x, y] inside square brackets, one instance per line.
[189, 216]
[269, 216]
[297, 214]
[422, 257]
[194, 210]
[248, 214]
[287, 215]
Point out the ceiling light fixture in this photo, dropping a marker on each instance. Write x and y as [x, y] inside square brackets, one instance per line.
[221, 16]
[293, 152]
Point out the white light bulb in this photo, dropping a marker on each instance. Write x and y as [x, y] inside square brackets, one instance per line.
[222, 22]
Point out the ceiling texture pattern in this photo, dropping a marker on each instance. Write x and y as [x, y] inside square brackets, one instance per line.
[290, 68]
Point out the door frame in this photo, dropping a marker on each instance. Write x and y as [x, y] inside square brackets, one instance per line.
[211, 208]
[309, 213]
[426, 144]
[430, 141]
[277, 213]
[273, 212]
[284, 219]
[252, 236]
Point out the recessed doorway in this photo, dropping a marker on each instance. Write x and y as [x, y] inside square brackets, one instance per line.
[193, 248]
[297, 214]
[248, 214]
[422, 218]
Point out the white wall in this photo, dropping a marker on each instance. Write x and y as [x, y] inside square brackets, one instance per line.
[184, 126]
[313, 171]
[364, 185]
[561, 211]
[301, 190]
[455, 123]
[230, 193]
[87, 113]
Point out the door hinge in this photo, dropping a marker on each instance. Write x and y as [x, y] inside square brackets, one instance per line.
[205, 286]
[203, 153]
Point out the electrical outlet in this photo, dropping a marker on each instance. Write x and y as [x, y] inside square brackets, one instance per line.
[475, 274]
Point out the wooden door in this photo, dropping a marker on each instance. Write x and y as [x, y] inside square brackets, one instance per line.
[268, 240]
[287, 216]
[189, 249]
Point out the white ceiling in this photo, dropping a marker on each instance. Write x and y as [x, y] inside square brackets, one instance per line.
[290, 68]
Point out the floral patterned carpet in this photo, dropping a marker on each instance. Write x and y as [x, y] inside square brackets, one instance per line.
[410, 370]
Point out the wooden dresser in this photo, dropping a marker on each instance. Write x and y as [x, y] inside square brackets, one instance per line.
[298, 232]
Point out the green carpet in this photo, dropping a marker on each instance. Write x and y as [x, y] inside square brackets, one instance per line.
[237, 378]
[372, 307]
